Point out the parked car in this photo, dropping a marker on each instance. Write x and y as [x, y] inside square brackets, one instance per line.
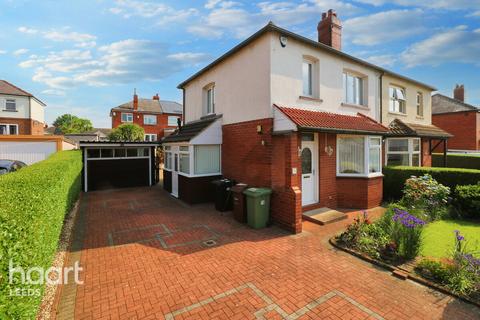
[7, 166]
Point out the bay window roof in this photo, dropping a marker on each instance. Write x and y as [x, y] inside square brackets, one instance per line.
[332, 122]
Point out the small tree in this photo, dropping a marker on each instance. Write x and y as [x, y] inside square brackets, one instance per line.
[67, 123]
[127, 132]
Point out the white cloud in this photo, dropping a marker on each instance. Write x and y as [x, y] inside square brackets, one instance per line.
[211, 4]
[384, 26]
[457, 45]
[54, 92]
[474, 14]
[432, 4]
[3, 51]
[20, 52]
[164, 13]
[125, 61]
[383, 60]
[27, 30]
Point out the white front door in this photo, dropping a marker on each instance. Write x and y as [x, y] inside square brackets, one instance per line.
[309, 169]
[175, 171]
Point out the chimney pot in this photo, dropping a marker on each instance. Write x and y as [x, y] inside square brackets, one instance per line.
[330, 30]
[459, 93]
[156, 97]
[135, 100]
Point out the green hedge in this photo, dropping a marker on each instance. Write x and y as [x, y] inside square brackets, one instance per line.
[395, 178]
[467, 201]
[465, 161]
[33, 204]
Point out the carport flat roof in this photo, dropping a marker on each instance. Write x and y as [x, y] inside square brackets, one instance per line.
[118, 143]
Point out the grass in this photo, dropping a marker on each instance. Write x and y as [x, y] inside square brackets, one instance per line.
[439, 237]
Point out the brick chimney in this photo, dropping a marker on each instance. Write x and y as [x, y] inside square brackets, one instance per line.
[459, 93]
[135, 99]
[156, 97]
[330, 30]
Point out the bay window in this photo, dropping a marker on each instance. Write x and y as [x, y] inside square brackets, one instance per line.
[403, 152]
[353, 89]
[397, 100]
[359, 155]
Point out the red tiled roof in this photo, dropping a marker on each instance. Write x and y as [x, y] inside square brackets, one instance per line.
[332, 121]
[8, 88]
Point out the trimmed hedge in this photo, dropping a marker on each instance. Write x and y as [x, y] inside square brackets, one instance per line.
[467, 201]
[33, 204]
[465, 161]
[395, 177]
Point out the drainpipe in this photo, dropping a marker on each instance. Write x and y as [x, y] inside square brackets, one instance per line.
[183, 115]
[381, 96]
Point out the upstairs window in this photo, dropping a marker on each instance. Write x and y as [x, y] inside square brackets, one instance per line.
[397, 100]
[149, 119]
[353, 89]
[209, 99]
[150, 137]
[307, 75]
[10, 105]
[419, 104]
[127, 117]
[172, 121]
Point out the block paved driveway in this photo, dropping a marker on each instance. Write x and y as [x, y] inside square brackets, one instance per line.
[148, 256]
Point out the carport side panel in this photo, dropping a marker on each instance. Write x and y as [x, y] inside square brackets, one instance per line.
[109, 174]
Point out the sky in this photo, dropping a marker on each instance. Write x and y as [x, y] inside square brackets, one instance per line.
[85, 57]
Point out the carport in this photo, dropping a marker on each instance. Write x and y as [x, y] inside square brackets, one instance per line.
[111, 165]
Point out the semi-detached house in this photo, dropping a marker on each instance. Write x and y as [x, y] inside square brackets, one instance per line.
[301, 117]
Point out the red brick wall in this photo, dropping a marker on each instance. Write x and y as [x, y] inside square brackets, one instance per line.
[463, 125]
[162, 122]
[25, 126]
[426, 156]
[362, 193]
[244, 157]
[327, 170]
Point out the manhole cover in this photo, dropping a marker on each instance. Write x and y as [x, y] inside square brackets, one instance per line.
[210, 243]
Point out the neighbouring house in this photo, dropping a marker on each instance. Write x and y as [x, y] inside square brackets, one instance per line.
[96, 134]
[21, 113]
[157, 117]
[459, 118]
[296, 115]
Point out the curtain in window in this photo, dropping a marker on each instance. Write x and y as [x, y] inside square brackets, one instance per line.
[207, 159]
[351, 154]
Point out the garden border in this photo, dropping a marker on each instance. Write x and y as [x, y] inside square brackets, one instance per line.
[410, 276]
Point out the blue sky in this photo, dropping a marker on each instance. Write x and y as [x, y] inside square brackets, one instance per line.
[85, 57]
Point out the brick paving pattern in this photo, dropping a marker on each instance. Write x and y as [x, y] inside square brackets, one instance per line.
[148, 256]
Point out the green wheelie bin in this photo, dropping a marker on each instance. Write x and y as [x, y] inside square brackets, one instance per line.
[258, 207]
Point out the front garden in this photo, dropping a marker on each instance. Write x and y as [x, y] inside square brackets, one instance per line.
[432, 229]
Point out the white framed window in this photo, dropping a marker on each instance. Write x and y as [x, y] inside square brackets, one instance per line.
[10, 105]
[173, 121]
[403, 152]
[397, 100]
[209, 99]
[353, 89]
[184, 159]
[8, 129]
[207, 159]
[150, 137]
[127, 117]
[419, 104]
[359, 155]
[149, 119]
[307, 76]
[168, 160]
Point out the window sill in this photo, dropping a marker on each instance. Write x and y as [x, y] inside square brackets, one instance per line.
[5, 110]
[398, 113]
[358, 106]
[310, 99]
[420, 117]
[149, 124]
[362, 176]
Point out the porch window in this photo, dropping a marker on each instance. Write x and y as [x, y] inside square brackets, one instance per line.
[359, 155]
[207, 159]
[184, 159]
[403, 152]
[397, 100]
[168, 160]
[352, 89]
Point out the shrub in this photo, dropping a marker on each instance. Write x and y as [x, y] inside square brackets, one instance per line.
[434, 270]
[465, 161]
[395, 177]
[427, 194]
[127, 132]
[33, 204]
[406, 233]
[467, 201]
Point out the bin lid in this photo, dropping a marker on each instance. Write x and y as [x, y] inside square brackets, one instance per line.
[239, 187]
[257, 192]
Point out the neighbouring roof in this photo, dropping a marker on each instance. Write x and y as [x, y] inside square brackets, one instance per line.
[271, 27]
[153, 106]
[93, 132]
[400, 128]
[444, 104]
[333, 122]
[117, 143]
[10, 89]
[190, 130]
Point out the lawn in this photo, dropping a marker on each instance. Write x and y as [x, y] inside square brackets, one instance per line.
[439, 237]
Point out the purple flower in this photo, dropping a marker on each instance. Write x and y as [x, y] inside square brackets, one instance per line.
[459, 236]
[406, 219]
